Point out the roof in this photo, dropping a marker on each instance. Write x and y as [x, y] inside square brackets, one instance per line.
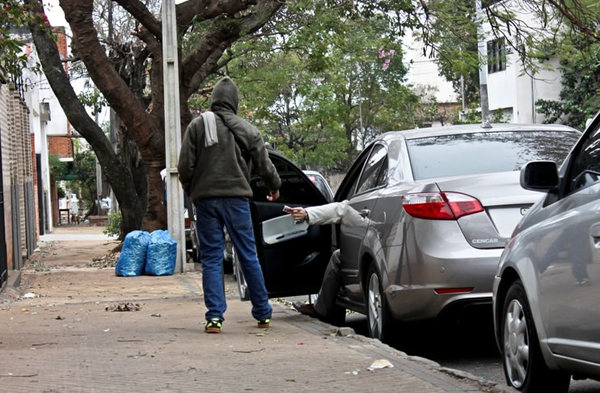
[472, 128]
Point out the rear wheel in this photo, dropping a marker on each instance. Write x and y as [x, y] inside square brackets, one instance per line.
[239, 278]
[524, 365]
[378, 316]
[192, 243]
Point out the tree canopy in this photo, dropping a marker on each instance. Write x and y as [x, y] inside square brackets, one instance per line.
[320, 76]
[324, 81]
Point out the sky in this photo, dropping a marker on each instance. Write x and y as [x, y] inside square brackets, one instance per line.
[55, 14]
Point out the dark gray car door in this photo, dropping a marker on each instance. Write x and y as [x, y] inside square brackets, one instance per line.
[292, 265]
[362, 186]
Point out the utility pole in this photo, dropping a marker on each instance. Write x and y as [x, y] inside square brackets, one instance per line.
[482, 50]
[172, 131]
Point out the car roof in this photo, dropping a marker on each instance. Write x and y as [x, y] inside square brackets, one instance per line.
[470, 128]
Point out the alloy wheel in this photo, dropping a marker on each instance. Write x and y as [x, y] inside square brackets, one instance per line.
[516, 344]
[239, 277]
[375, 307]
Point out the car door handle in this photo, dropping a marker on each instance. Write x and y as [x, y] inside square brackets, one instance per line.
[364, 213]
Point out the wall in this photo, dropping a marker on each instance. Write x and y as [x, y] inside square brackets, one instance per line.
[20, 213]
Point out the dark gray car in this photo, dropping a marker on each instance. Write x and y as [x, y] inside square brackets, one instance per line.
[547, 286]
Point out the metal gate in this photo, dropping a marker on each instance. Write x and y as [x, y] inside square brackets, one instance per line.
[40, 196]
[3, 261]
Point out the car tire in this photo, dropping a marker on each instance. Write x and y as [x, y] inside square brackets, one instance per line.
[524, 365]
[378, 315]
[239, 278]
[193, 244]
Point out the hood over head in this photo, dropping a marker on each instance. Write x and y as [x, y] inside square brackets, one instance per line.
[225, 95]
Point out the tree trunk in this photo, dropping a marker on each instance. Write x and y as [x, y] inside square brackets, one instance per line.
[144, 128]
[118, 175]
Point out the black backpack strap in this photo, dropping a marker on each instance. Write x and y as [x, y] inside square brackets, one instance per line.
[244, 150]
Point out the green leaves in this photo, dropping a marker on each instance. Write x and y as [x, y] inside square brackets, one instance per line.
[324, 77]
[580, 95]
[13, 16]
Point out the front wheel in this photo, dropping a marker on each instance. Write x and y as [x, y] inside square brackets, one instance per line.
[378, 316]
[524, 365]
[239, 278]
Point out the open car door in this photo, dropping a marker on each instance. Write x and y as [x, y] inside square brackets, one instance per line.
[293, 256]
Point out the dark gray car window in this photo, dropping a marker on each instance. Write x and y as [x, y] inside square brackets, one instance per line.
[375, 170]
[295, 188]
[585, 169]
[485, 152]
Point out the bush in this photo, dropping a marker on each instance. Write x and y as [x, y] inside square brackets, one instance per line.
[60, 193]
[113, 225]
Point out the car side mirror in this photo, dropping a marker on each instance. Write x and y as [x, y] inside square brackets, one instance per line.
[539, 176]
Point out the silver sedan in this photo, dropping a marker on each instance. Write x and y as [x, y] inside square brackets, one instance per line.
[441, 205]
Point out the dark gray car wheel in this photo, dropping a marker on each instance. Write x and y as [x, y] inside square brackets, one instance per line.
[378, 316]
[524, 365]
[239, 278]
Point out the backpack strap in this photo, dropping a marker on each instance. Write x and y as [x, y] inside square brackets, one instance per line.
[243, 149]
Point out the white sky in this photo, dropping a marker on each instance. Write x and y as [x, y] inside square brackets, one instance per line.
[55, 14]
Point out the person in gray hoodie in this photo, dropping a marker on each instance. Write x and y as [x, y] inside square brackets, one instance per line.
[219, 151]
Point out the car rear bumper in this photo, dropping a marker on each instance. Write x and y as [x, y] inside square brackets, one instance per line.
[408, 304]
[425, 289]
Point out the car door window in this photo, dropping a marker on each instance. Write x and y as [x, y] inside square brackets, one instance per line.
[295, 188]
[375, 171]
[348, 186]
[585, 169]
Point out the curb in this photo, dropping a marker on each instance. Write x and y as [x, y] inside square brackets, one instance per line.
[317, 326]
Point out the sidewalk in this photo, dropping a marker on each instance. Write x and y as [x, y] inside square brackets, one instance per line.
[62, 335]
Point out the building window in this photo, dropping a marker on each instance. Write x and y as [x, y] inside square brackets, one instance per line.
[496, 50]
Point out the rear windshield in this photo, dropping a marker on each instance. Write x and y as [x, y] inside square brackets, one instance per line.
[484, 152]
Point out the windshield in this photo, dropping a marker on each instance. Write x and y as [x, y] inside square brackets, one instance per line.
[485, 152]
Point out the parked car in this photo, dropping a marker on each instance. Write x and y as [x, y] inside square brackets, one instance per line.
[547, 286]
[439, 206]
[322, 184]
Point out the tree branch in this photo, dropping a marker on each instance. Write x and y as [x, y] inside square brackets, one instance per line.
[222, 34]
[200, 10]
[577, 22]
[139, 11]
[114, 89]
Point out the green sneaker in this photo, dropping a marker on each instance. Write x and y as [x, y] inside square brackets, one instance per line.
[264, 323]
[213, 325]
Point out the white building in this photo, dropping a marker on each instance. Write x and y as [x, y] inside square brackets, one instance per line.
[423, 73]
[511, 88]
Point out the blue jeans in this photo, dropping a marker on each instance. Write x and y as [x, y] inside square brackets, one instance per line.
[212, 214]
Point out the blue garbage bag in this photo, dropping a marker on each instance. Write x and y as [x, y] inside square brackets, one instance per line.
[161, 255]
[133, 254]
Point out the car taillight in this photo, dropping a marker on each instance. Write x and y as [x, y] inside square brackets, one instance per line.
[440, 205]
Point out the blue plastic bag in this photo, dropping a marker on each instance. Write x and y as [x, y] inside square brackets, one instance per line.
[161, 255]
[133, 254]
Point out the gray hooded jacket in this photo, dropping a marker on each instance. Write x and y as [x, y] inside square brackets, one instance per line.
[220, 170]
